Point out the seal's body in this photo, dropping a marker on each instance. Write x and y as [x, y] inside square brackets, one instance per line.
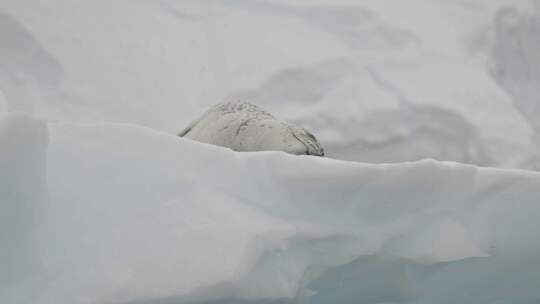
[242, 126]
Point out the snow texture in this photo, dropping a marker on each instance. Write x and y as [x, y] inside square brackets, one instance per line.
[3, 103]
[138, 216]
[23, 143]
[101, 202]
[375, 81]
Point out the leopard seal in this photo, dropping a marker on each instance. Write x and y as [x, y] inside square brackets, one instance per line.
[245, 127]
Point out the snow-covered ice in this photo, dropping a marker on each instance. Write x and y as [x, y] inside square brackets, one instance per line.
[374, 80]
[23, 142]
[100, 202]
[3, 103]
[137, 216]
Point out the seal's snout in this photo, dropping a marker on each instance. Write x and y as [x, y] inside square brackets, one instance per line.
[309, 141]
[319, 153]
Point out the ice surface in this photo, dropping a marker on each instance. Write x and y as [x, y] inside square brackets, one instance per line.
[95, 207]
[3, 103]
[23, 143]
[138, 216]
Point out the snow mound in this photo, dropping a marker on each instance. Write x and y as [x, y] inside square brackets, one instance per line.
[516, 65]
[449, 80]
[138, 216]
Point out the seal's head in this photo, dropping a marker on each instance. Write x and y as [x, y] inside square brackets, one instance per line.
[312, 146]
[276, 135]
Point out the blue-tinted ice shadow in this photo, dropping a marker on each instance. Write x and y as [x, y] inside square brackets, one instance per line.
[388, 279]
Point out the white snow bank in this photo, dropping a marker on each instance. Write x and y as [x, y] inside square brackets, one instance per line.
[375, 81]
[139, 216]
[515, 61]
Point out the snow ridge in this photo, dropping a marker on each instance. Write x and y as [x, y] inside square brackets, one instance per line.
[138, 216]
